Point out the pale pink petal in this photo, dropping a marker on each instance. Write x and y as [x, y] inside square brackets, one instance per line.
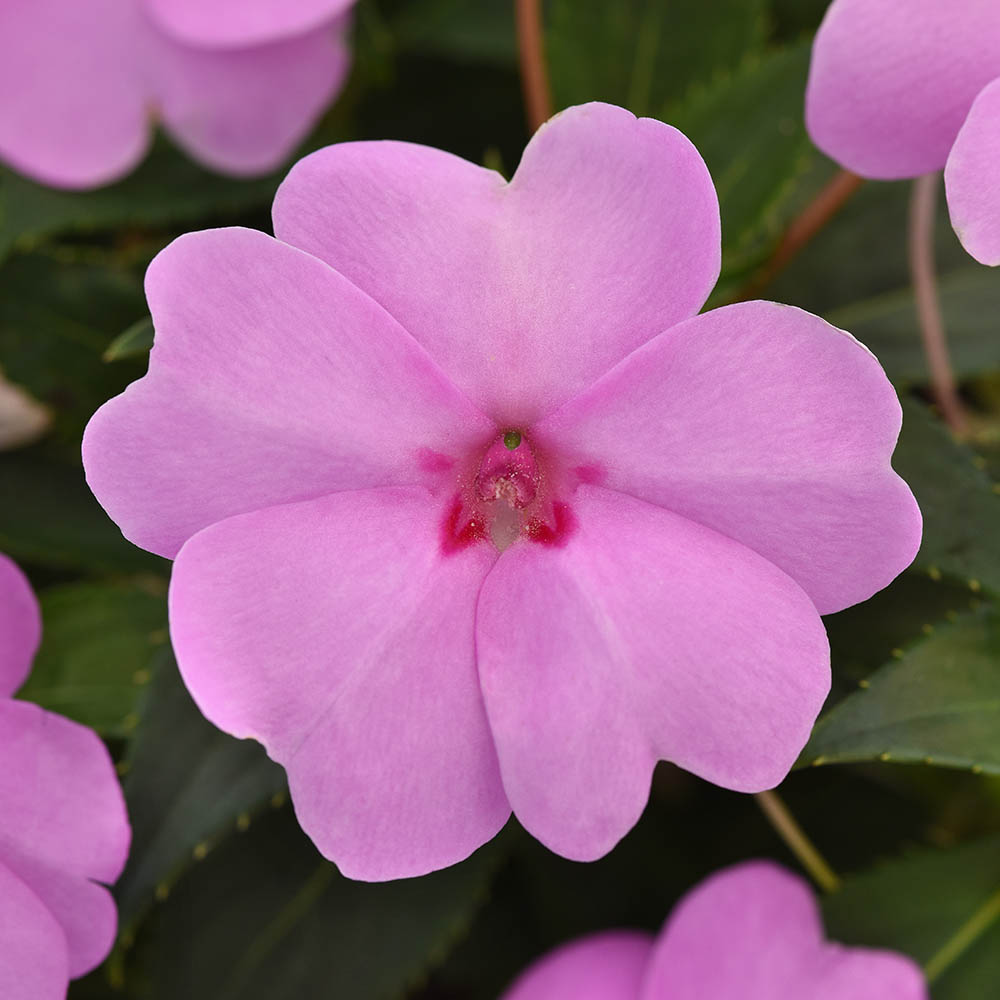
[243, 111]
[527, 292]
[768, 425]
[74, 111]
[972, 178]
[754, 932]
[341, 635]
[20, 627]
[63, 823]
[242, 22]
[33, 962]
[62, 805]
[602, 967]
[892, 80]
[643, 636]
[272, 379]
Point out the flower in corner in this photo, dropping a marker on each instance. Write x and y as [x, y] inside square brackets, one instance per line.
[63, 827]
[472, 512]
[752, 931]
[236, 83]
[900, 88]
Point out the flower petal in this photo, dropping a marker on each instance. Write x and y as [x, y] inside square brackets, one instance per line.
[892, 80]
[242, 22]
[272, 380]
[243, 111]
[85, 911]
[63, 824]
[63, 806]
[601, 967]
[644, 636]
[20, 627]
[770, 426]
[754, 931]
[33, 963]
[339, 634]
[608, 233]
[74, 112]
[972, 178]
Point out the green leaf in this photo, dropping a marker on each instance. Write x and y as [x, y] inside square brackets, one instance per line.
[960, 508]
[49, 517]
[748, 125]
[645, 54]
[98, 641]
[187, 785]
[56, 318]
[276, 922]
[918, 903]
[465, 30]
[135, 342]
[937, 703]
[166, 189]
[887, 323]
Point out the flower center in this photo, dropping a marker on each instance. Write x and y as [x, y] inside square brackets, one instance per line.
[511, 494]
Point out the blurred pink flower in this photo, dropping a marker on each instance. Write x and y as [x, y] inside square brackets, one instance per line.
[63, 827]
[751, 932]
[472, 512]
[236, 82]
[900, 88]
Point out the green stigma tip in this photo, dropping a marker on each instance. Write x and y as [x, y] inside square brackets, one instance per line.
[512, 440]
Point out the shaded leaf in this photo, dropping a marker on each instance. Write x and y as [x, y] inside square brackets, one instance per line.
[276, 922]
[644, 54]
[167, 188]
[56, 318]
[748, 124]
[187, 785]
[960, 508]
[916, 903]
[887, 323]
[98, 641]
[49, 517]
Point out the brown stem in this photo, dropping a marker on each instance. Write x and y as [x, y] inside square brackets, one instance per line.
[534, 73]
[923, 206]
[802, 229]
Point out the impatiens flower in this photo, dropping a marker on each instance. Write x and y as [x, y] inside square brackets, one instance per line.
[471, 511]
[900, 88]
[63, 827]
[752, 932]
[236, 82]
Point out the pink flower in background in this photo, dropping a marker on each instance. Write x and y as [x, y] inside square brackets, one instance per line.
[63, 827]
[900, 88]
[472, 512]
[752, 932]
[238, 83]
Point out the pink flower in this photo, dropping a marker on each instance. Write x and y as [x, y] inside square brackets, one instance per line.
[237, 82]
[471, 512]
[63, 827]
[751, 932]
[900, 88]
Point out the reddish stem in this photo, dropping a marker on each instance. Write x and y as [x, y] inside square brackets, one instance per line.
[803, 228]
[534, 72]
[923, 206]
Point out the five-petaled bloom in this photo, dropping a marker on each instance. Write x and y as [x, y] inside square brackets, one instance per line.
[471, 511]
[900, 88]
[63, 827]
[237, 82]
[752, 932]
